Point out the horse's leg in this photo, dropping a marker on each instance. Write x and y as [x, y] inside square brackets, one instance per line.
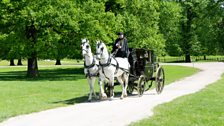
[94, 93]
[126, 77]
[111, 84]
[123, 87]
[91, 82]
[102, 93]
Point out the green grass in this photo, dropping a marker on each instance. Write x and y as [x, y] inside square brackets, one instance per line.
[57, 86]
[204, 108]
[45, 62]
[174, 73]
[209, 58]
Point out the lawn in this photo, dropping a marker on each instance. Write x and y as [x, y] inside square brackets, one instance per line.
[45, 62]
[204, 108]
[57, 86]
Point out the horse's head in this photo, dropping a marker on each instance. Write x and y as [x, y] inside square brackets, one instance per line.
[100, 49]
[86, 49]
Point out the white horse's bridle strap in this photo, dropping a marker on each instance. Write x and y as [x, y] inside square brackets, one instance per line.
[91, 65]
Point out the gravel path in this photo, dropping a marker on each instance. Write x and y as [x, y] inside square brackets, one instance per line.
[121, 112]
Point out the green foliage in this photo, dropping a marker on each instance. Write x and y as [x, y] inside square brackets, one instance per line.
[145, 31]
[170, 19]
[53, 29]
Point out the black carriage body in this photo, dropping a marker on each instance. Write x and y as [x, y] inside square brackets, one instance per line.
[144, 68]
[142, 62]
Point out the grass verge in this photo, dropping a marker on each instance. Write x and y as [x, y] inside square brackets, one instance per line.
[56, 86]
[204, 108]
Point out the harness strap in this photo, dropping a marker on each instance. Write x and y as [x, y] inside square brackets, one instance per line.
[105, 74]
[108, 62]
[105, 65]
[117, 66]
[96, 74]
[92, 75]
[91, 65]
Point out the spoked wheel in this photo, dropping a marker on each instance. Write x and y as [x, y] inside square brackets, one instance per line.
[160, 79]
[141, 85]
[149, 86]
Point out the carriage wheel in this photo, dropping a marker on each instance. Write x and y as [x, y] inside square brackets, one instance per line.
[160, 78]
[149, 86]
[141, 85]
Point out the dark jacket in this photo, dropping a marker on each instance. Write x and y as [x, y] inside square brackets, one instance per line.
[123, 51]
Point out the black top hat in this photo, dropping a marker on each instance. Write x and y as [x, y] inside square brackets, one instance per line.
[120, 33]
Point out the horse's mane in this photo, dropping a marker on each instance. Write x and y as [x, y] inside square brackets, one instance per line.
[99, 42]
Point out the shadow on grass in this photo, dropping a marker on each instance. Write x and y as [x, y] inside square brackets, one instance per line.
[72, 100]
[58, 74]
[84, 99]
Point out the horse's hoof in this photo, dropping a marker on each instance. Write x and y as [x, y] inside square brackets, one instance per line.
[89, 100]
[111, 98]
[97, 97]
[121, 98]
[104, 96]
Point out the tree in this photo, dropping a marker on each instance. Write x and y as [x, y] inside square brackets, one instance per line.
[169, 24]
[38, 25]
[191, 12]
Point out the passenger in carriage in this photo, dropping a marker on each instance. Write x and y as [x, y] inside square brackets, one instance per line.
[120, 47]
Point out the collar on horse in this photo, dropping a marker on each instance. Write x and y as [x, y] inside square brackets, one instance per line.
[108, 62]
[96, 74]
[91, 65]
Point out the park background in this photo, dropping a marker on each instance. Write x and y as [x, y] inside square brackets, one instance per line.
[41, 33]
[52, 29]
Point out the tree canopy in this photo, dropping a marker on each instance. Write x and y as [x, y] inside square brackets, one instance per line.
[52, 29]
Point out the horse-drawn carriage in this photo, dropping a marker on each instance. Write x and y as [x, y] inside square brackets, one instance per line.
[143, 68]
[134, 73]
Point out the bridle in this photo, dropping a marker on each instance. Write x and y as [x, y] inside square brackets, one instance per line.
[88, 67]
[85, 49]
[101, 50]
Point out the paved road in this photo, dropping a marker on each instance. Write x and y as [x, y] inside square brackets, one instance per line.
[121, 112]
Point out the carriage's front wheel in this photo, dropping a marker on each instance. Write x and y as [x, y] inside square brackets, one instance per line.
[160, 79]
[141, 85]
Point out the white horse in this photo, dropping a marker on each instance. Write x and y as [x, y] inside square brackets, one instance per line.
[111, 67]
[91, 69]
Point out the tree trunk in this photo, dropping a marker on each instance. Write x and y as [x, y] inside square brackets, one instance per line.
[205, 57]
[187, 58]
[58, 62]
[32, 67]
[19, 63]
[187, 34]
[12, 62]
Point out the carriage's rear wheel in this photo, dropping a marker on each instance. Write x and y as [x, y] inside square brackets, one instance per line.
[160, 79]
[141, 85]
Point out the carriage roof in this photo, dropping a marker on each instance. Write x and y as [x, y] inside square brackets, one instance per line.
[142, 54]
